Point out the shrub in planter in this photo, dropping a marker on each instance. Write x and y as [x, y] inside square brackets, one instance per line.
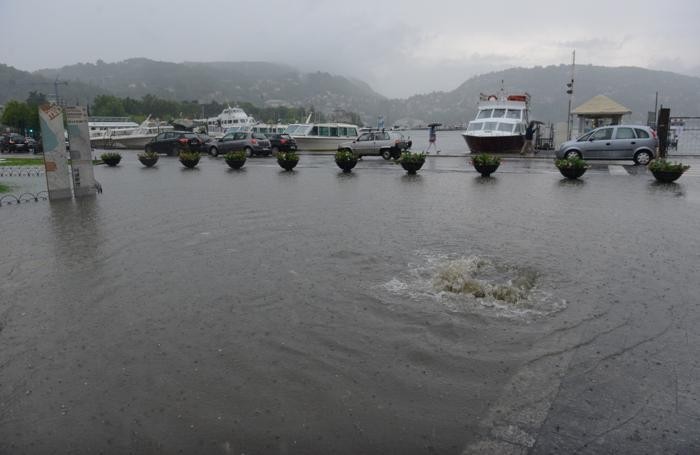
[665, 171]
[486, 164]
[148, 158]
[189, 159]
[346, 160]
[287, 160]
[235, 160]
[571, 168]
[412, 161]
[111, 158]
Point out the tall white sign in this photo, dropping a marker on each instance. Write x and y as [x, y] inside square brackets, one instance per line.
[55, 156]
[80, 151]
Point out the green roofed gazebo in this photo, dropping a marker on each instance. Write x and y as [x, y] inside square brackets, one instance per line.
[599, 110]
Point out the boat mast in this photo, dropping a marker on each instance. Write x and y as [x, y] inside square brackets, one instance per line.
[570, 92]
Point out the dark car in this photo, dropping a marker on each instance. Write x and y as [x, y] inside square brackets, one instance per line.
[173, 142]
[251, 143]
[281, 143]
[14, 143]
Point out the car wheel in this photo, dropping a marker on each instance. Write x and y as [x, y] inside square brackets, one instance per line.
[275, 150]
[386, 154]
[214, 152]
[249, 152]
[149, 149]
[572, 154]
[643, 157]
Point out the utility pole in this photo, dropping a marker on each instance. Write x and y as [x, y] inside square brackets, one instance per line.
[570, 92]
[56, 83]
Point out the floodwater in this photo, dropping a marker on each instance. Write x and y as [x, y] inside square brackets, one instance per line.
[260, 311]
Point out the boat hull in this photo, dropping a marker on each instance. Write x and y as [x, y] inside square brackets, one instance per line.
[494, 144]
[320, 144]
[134, 142]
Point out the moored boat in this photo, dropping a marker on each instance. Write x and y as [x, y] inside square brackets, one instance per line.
[321, 136]
[229, 120]
[500, 124]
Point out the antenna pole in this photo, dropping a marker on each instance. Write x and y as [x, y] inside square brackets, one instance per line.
[570, 92]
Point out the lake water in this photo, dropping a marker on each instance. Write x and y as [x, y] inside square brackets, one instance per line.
[260, 311]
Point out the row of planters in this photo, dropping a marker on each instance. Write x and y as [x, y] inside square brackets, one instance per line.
[571, 168]
[574, 167]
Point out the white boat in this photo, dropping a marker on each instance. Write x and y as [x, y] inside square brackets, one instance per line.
[499, 126]
[130, 138]
[231, 117]
[321, 136]
[100, 127]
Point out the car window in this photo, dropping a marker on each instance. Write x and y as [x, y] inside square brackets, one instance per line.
[227, 137]
[585, 137]
[259, 136]
[602, 134]
[238, 136]
[364, 137]
[624, 133]
[642, 134]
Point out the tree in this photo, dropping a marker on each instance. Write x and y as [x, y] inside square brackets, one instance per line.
[18, 115]
[108, 106]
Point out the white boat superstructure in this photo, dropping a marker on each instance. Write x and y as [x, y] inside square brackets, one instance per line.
[499, 125]
[322, 136]
[231, 117]
[130, 138]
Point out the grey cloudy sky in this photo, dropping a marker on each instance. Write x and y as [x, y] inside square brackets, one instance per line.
[398, 47]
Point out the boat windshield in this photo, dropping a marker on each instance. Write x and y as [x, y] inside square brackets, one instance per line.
[484, 113]
[499, 113]
[475, 126]
[490, 126]
[514, 114]
[506, 127]
[300, 130]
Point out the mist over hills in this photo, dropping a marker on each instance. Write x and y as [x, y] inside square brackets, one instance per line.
[273, 84]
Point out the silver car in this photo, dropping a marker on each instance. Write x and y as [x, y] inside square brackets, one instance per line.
[618, 142]
[387, 144]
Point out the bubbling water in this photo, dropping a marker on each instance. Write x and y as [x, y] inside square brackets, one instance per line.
[477, 284]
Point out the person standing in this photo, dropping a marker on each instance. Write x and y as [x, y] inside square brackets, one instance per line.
[432, 137]
[528, 145]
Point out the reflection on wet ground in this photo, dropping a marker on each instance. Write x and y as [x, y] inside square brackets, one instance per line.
[317, 312]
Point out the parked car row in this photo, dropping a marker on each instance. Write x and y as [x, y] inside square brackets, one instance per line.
[14, 143]
[173, 142]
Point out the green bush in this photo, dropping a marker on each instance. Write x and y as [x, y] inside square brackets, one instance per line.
[484, 159]
[661, 165]
[412, 157]
[189, 156]
[571, 163]
[115, 156]
[287, 156]
[235, 156]
[345, 155]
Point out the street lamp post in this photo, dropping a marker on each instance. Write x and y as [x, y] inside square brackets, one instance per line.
[570, 92]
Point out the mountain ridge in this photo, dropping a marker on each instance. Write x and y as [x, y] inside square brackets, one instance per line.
[266, 83]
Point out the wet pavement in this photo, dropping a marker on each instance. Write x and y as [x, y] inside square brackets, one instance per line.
[215, 311]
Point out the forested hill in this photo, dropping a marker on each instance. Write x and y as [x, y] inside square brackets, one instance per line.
[274, 84]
